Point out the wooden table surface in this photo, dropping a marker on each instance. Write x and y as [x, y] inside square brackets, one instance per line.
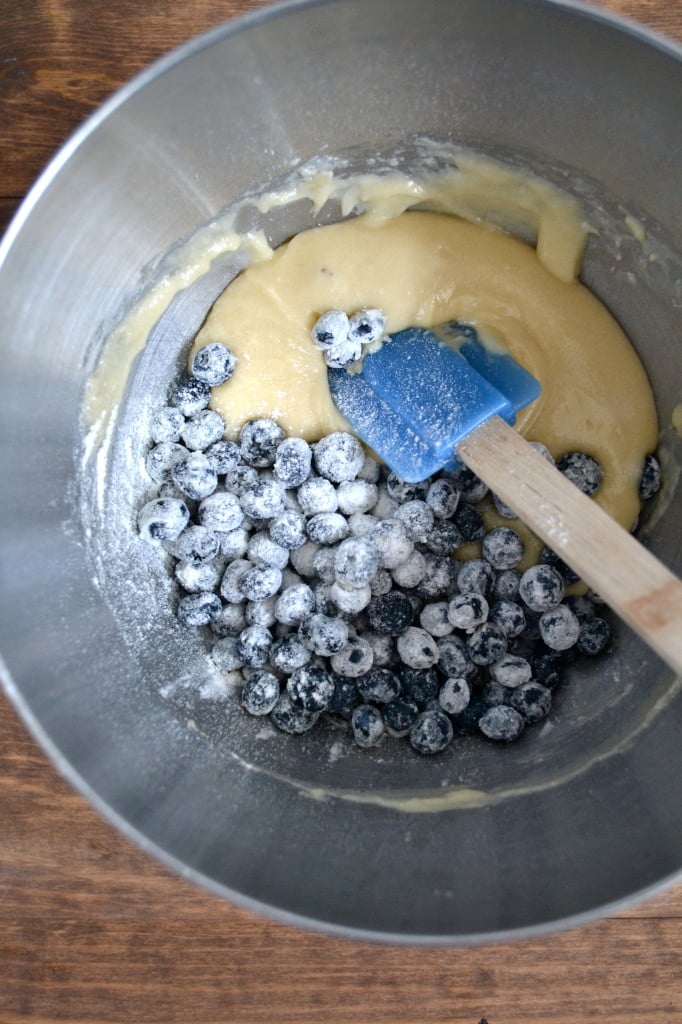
[90, 929]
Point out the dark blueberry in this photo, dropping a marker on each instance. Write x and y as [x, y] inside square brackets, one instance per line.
[532, 700]
[582, 470]
[311, 687]
[549, 557]
[263, 501]
[417, 519]
[399, 715]
[260, 693]
[440, 578]
[195, 476]
[419, 686]
[455, 658]
[532, 627]
[161, 459]
[213, 364]
[507, 616]
[442, 498]
[401, 491]
[253, 646]
[166, 425]
[345, 697]
[196, 544]
[594, 637]
[454, 696]
[501, 723]
[203, 430]
[367, 725]
[390, 614]
[331, 329]
[469, 522]
[260, 582]
[468, 484]
[503, 548]
[506, 586]
[198, 609]
[288, 530]
[290, 718]
[502, 508]
[292, 462]
[162, 519]
[287, 654]
[379, 686]
[367, 325]
[190, 396]
[466, 611]
[327, 528]
[432, 732]
[559, 628]
[221, 512]
[444, 538]
[581, 606]
[541, 588]
[258, 441]
[650, 482]
[339, 457]
[545, 669]
[466, 723]
[224, 455]
[477, 575]
[486, 645]
[494, 694]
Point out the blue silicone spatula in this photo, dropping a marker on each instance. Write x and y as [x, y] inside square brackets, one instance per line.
[419, 402]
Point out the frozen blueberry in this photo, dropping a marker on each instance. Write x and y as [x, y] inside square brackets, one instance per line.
[230, 622]
[455, 658]
[442, 498]
[253, 646]
[259, 582]
[354, 659]
[370, 471]
[454, 695]
[196, 544]
[503, 548]
[288, 654]
[541, 588]
[391, 541]
[508, 616]
[390, 614]
[260, 693]
[417, 648]
[224, 456]
[260, 613]
[471, 488]
[501, 723]
[367, 325]
[350, 600]
[161, 459]
[220, 512]
[234, 543]
[469, 522]
[343, 354]
[444, 538]
[195, 577]
[224, 654]
[399, 716]
[532, 627]
[190, 396]
[511, 670]
[213, 364]
[431, 733]
[367, 725]
[263, 501]
[288, 530]
[241, 479]
[434, 619]
[532, 700]
[402, 491]
[582, 470]
[356, 496]
[440, 578]
[386, 506]
[311, 687]
[594, 636]
[542, 449]
[545, 669]
[303, 559]
[323, 564]
[290, 718]
[494, 694]
[549, 557]
[650, 481]
[379, 686]
[292, 462]
[166, 425]
[506, 586]
[420, 686]
[581, 606]
[198, 609]
[162, 519]
[466, 611]
[323, 634]
[381, 584]
[383, 648]
[195, 476]
[203, 430]
[258, 441]
[262, 550]
[559, 628]
[339, 457]
[330, 329]
[501, 507]
[486, 645]
[230, 585]
[345, 697]
[411, 572]
[417, 519]
[317, 495]
[475, 575]
[295, 604]
[327, 528]
[356, 561]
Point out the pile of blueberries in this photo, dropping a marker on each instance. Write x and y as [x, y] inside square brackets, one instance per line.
[330, 584]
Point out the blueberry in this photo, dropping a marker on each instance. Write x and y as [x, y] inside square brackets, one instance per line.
[454, 695]
[311, 687]
[476, 575]
[356, 496]
[511, 670]
[419, 686]
[367, 325]
[506, 586]
[287, 654]
[379, 686]
[258, 441]
[455, 658]
[367, 725]
[501, 723]
[508, 616]
[391, 541]
[559, 628]
[434, 619]
[230, 585]
[469, 522]
[356, 561]
[444, 538]
[541, 588]
[294, 604]
[323, 564]
[259, 582]
[532, 700]
[345, 697]
[494, 694]
[288, 530]
[195, 476]
[161, 459]
[263, 501]
[594, 636]
[327, 528]
[350, 600]
[330, 329]
[431, 733]
[440, 579]
[469, 485]
[402, 491]
[381, 583]
[292, 462]
[198, 609]
[343, 354]
[241, 479]
[502, 509]
[253, 646]
[466, 611]
[290, 718]
[262, 550]
[196, 544]
[224, 654]
[303, 557]
[213, 364]
[399, 716]
[260, 693]
[230, 622]
[317, 495]
[416, 518]
[354, 659]
[549, 557]
[417, 648]
[260, 613]
[545, 669]
[224, 456]
[195, 577]
[162, 519]
[166, 425]
[390, 614]
[486, 645]
[234, 543]
[466, 723]
[190, 396]
[503, 548]
[220, 512]
[581, 606]
[339, 457]
[442, 498]
[582, 470]
[650, 481]
[370, 471]
[203, 430]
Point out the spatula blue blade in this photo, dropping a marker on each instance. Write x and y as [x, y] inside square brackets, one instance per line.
[415, 399]
[497, 366]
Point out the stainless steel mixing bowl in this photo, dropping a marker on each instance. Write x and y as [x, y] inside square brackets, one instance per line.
[571, 821]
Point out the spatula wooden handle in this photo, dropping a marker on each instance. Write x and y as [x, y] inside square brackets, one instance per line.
[627, 576]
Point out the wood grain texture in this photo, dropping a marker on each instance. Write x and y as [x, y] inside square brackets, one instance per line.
[93, 931]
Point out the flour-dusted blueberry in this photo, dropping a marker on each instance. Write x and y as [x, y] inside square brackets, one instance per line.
[383, 648]
[345, 697]
[323, 601]
[253, 646]
[260, 613]
[532, 627]
[417, 648]
[224, 456]
[356, 561]
[442, 498]
[343, 354]
[330, 329]
[195, 476]
[532, 700]
[455, 658]
[469, 522]
[506, 585]
[507, 616]
[263, 501]
[190, 396]
[471, 488]
[379, 686]
[367, 326]
[241, 479]
[213, 364]
[220, 512]
[311, 687]
[260, 582]
[196, 544]
[195, 577]
[356, 496]
[475, 575]
[230, 622]
[317, 495]
[288, 530]
[486, 645]
[350, 600]
[402, 491]
[198, 609]
[303, 559]
[454, 695]
[381, 584]
[559, 628]
[467, 611]
[225, 656]
[290, 718]
[166, 425]
[161, 459]
[444, 538]
[541, 588]
[594, 636]
[503, 548]
[367, 725]
[386, 506]
[440, 578]
[390, 614]
[420, 686]
[162, 519]
[260, 693]
[399, 716]
[650, 481]
[203, 430]
[511, 670]
[338, 457]
[502, 508]
[370, 470]
[411, 572]
[295, 604]
[431, 733]
[325, 635]
[416, 518]
[581, 606]
[434, 619]
[582, 470]
[391, 541]
[549, 557]
[543, 450]
[234, 543]
[258, 441]
[230, 584]
[293, 460]
[327, 528]
[494, 694]
[354, 659]
[323, 563]
[263, 550]
[546, 669]
[501, 723]
[288, 654]
[466, 723]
